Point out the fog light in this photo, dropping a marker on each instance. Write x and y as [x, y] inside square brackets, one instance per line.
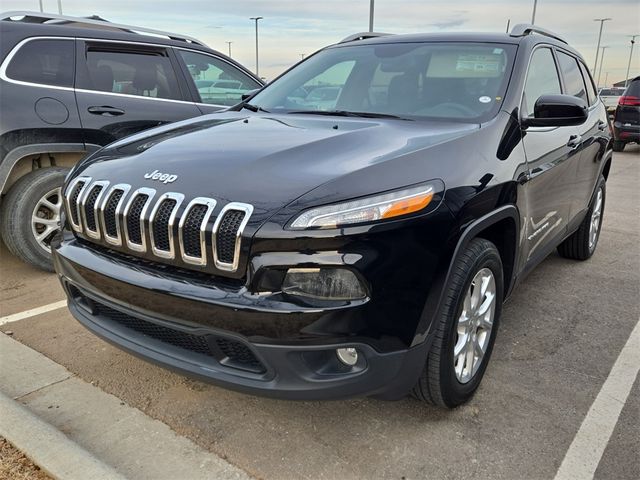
[348, 356]
[323, 283]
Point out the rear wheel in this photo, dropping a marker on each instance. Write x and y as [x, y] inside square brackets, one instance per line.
[30, 215]
[618, 145]
[583, 242]
[466, 328]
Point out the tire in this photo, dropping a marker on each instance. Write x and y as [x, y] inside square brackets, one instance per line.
[19, 205]
[583, 242]
[440, 383]
[618, 145]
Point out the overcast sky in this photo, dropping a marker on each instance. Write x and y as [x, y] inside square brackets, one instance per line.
[293, 27]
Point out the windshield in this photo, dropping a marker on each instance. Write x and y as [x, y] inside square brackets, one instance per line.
[457, 81]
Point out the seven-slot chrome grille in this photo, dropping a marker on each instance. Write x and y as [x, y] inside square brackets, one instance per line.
[166, 226]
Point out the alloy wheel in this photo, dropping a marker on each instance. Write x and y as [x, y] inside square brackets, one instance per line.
[45, 219]
[596, 216]
[473, 331]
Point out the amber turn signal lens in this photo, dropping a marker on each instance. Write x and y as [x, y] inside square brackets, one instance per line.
[408, 205]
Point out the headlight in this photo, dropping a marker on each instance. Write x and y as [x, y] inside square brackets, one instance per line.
[368, 209]
[324, 283]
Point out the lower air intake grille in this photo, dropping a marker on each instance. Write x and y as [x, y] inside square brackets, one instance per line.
[89, 205]
[191, 231]
[110, 213]
[161, 225]
[229, 352]
[133, 219]
[226, 236]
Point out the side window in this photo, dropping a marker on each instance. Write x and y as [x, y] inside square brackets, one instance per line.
[217, 81]
[591, 89]
[573, 82]
[142, 73]
[323, 91]
[47, 62]
[542, 79]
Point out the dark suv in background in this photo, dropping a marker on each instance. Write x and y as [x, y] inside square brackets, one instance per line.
[626, 121]
[362, 242]
[71, 85]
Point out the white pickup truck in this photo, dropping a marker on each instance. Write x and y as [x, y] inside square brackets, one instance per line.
[610, 97]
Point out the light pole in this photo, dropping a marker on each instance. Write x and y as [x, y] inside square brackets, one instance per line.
[601, 63]
[302, 56]
[41, 7]
[229, 43]
[371, 16]
[606, 79]
[60, 7]
[601, 20]
[256, 20]
[633, 41]
[533, 15]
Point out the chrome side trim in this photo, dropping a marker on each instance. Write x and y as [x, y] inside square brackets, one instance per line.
[83, 208]
[141, 247]
[178, 197]
[243, 207]
[210, 204]
[125, 187]
[77, 227]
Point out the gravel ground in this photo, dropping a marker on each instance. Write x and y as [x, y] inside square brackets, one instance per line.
[15, 466]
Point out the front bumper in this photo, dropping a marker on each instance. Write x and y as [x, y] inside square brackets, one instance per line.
[223, 335]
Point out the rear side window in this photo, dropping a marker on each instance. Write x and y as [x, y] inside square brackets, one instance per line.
[141, 73]
[47, 62]
[633, 90]
[542, 79]
[591, 89]
[573, 82]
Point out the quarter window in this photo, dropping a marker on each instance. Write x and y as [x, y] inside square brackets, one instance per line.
[542, 79]
[47, 62]
[142, 73]
[573, 82]
[218, 82]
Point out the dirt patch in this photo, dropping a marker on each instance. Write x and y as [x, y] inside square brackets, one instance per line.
[15, 466]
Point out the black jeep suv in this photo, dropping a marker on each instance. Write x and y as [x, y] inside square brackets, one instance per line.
[626, 120]
[71, 85]
[356, 241]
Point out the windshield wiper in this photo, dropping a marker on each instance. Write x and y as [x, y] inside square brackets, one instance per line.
[253, 108]
[347, 113]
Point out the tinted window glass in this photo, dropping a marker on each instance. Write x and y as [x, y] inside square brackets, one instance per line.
[462, 81]
[49, 62]
[217, 81]
[147, 74]
[542, 79]
[611, 92]
[591, 89]
[574, 84]
[634, 88]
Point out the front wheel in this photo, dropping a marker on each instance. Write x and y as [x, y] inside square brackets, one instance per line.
[466, 328]
[30, 216]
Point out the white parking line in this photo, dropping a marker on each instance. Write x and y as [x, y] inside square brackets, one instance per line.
[33, 312]
[585, 452]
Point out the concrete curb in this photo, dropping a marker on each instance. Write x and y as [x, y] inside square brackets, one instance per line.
[47, 447]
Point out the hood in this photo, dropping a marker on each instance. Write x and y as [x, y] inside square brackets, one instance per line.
[261, 159]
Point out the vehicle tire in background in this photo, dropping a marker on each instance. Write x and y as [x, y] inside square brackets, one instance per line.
[583, 242]
[466, 327]
[618, 145]
[30, 215]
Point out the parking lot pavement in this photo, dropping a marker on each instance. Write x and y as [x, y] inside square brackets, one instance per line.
[561, 333]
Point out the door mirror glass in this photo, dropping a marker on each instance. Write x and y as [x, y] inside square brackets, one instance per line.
[558, 111]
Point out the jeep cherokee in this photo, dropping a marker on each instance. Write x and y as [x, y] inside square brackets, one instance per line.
[317, 247]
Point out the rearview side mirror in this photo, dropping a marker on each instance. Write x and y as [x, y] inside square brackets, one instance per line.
[557, 111]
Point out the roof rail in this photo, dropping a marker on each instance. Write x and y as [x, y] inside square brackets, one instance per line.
[524, 29]
[363, 36]
[53, 19]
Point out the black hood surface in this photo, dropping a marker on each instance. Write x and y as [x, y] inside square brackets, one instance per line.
[261, 159]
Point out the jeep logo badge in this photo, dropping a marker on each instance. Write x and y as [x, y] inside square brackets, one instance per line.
[161, 177]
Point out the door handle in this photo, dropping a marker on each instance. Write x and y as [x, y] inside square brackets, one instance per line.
[602, 125]
[106, 111]
[574, 141]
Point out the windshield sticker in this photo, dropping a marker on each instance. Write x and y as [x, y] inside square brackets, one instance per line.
[484, 99]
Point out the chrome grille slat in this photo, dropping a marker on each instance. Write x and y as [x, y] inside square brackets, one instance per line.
[187, 223]
[161, 224]
[129, 219]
